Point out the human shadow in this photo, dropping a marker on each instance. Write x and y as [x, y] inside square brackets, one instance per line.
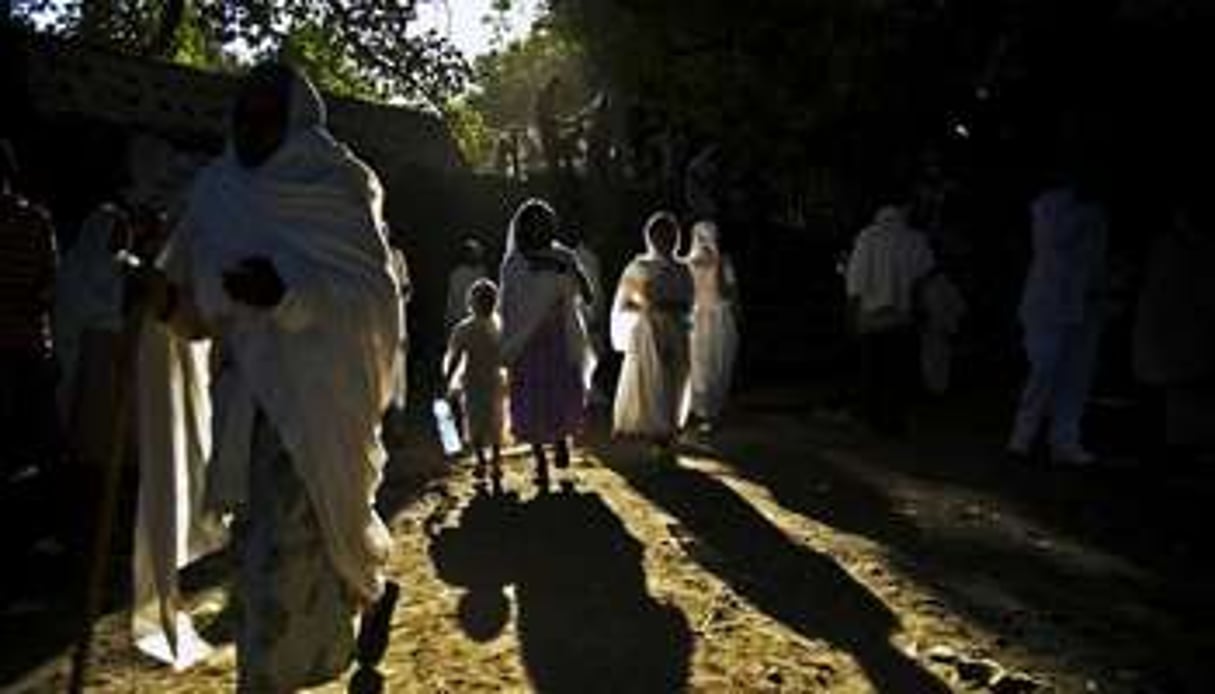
[1011, 587]
[585, 619]
[803, 589]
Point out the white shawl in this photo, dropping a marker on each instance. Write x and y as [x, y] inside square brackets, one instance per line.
[887, 261]
[319, 366]
[527, 297]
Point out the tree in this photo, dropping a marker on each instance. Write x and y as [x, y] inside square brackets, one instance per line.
[361, 47]
[506, 81]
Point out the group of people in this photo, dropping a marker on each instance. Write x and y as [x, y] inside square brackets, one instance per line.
[270, 338]
[902, 304]
[258, 341]
[528, 346]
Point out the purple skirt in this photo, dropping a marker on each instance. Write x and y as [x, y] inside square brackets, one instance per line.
[547, 399]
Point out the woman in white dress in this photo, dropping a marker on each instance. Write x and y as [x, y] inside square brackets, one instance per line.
[650, 325]
[714, 324]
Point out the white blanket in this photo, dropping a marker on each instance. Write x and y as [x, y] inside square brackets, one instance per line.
[319, 366]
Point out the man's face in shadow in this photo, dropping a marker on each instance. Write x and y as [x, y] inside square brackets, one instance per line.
[259, 121]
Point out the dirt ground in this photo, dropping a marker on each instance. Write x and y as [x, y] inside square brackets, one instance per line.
[790, 552]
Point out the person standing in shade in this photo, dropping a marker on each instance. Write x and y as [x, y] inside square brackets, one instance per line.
[28, 267]
[714, 325]
[651, 326]
[888, 263]
[1061, 313]
[1174, 332]
[544, 341]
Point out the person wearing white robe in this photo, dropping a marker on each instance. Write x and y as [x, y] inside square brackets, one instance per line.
[281, 260]
[88, 331]
[544, 341]
[889, 262]
[1062, 314]
[714, 324]
[650, 325]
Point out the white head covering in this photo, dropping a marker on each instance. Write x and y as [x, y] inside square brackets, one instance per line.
[651, 224]
[704, 242]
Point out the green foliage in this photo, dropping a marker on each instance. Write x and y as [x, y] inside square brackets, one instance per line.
[316, 51]
[356, 47]
[476, 140]
[507, 81]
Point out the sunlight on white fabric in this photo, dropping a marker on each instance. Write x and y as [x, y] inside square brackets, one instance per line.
[191, 648]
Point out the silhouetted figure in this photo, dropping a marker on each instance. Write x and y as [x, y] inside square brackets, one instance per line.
[714, 325]
[28, 261]
[544, 341]
[942, 307]
[888, 263]
[1061, 314]
[592, 308]
[90, 337]
[472, 372]
[651, 326]
[1175, 334]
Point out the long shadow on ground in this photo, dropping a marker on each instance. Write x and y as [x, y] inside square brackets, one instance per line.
[585, 620]
[806, 590]
[1014, 589]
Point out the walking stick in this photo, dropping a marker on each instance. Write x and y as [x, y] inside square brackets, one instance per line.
[95, 589]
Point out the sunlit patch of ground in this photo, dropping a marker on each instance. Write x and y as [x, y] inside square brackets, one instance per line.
[776, 559]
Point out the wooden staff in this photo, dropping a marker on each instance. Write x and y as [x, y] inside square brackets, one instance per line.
[99, 563]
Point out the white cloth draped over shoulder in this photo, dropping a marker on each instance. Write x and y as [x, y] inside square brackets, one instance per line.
[889, 258]
[650, 325]
[529, 295]
[319, 366]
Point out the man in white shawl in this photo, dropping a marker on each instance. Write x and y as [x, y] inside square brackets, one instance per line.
[650, 325]
[281, 262]
[888, 264]
[714, 324]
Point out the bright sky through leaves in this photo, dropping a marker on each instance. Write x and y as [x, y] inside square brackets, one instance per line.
[463, 22]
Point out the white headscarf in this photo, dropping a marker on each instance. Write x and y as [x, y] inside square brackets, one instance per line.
[704, 243]
[663, 280]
